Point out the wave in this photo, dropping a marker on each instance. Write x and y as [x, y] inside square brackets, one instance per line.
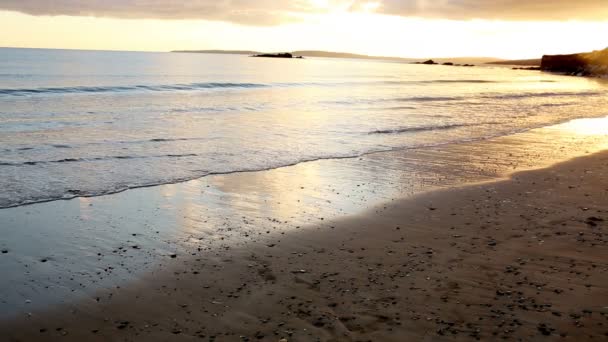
[78, 160]
[490, 96]
[423, 128]
[125, 142]
[428, 98]
[75, 193]
[442, 81]
[112, 89]
[543, 94]
[168, 140]
[208, 85]
[72, 193]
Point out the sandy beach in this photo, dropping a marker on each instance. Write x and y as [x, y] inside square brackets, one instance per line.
[381, 171]
[521, 258]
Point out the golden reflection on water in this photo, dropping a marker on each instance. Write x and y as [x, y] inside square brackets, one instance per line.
[310, 192]
[280, 194]
[597, 126]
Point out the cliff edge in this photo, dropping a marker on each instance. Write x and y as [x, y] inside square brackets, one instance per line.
[580, 64]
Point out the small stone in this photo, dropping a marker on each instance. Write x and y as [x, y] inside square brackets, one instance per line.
[122, 325]
[544, 329]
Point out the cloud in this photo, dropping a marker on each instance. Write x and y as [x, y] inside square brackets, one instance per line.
[273, 12]
[252, 12]
[515, 10]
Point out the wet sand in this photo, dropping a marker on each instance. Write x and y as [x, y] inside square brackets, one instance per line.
[523, 258]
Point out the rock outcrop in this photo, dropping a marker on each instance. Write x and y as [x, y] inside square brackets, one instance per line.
[580, 64]
[432, 62]
[277, 55]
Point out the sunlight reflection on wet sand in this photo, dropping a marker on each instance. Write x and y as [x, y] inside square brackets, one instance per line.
[90, 243]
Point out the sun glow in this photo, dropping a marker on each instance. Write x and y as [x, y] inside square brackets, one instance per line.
[333, 27]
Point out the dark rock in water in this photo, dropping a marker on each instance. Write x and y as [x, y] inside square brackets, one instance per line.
[448, 63]
[277, 55]
[579, 64]
[429, 62]
[526, 68]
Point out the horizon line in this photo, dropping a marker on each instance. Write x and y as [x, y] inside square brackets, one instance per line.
[229, 50]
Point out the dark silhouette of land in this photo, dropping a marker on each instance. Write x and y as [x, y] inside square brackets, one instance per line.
[521, 62]
[329, 54]
[277, 55]
[580, 64]
[222, 52]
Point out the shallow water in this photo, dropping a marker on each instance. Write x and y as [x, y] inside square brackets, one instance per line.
[76, 123]
[62, 252]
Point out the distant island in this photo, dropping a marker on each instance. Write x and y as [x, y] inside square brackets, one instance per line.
[277, 55]
[432, 62]
[329, 54]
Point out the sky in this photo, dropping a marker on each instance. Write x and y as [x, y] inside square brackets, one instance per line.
[403, 28]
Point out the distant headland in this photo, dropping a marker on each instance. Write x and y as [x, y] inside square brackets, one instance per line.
[582, 64]
[579, 64]
[329, 54]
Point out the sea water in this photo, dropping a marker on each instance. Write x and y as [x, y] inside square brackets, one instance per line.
[86, 123]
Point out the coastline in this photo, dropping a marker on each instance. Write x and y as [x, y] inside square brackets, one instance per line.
[352, 275]
[479, 261]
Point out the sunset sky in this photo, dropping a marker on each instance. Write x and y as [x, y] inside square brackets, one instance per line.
[414, 28]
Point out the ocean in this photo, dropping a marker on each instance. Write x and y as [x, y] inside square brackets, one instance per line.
[88, 123]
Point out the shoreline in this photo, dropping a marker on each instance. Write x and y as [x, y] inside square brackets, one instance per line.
[517, 258]
[146, 242]
[319, 159]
